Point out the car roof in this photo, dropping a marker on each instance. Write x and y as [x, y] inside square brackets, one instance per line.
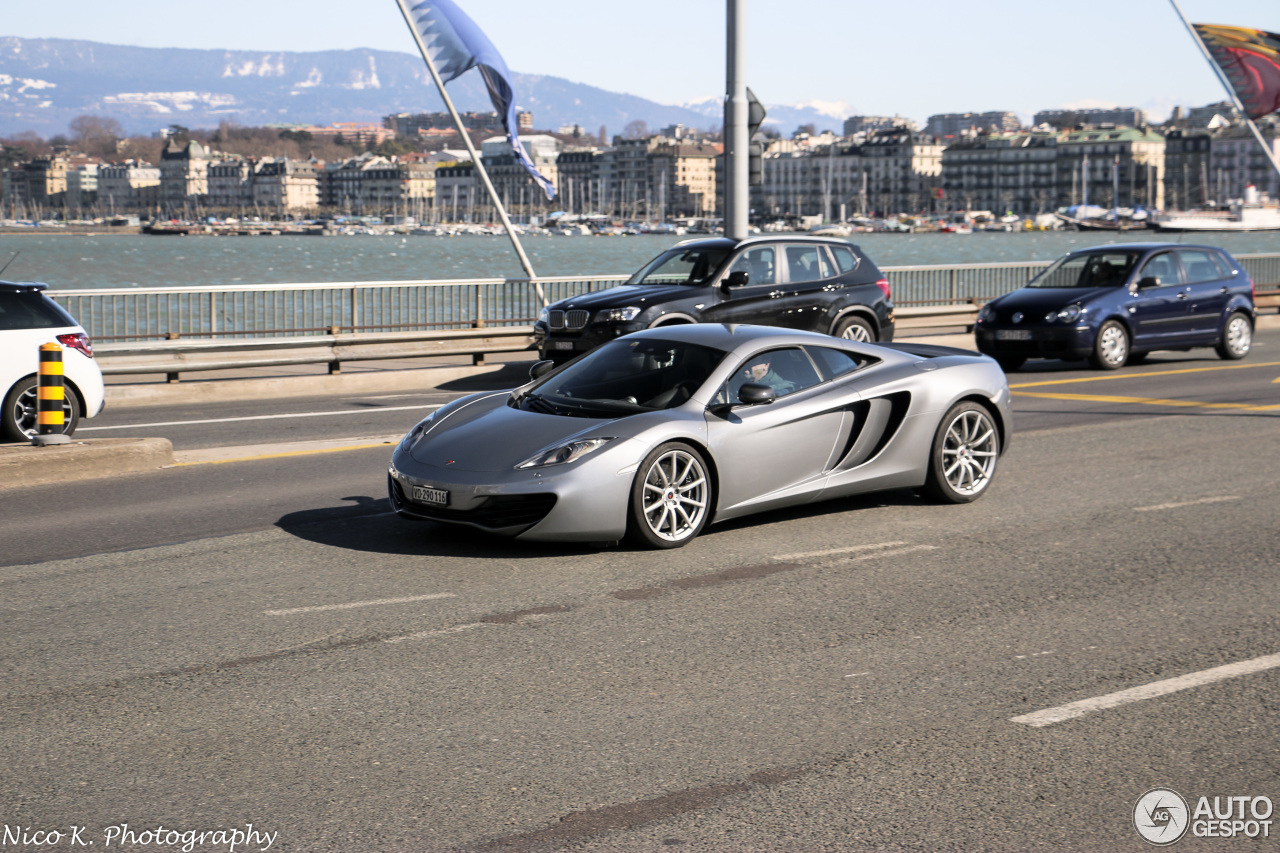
[1142, 247]
[730, 243]
[22, 286]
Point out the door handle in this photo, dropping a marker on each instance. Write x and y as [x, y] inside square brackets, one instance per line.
[1182, 295]
[1222, 290]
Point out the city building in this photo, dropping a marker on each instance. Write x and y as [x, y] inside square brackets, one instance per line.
[1071, 119]
[184, 174]
[948, 126]
[1186, 168]
[682, 179]
[1003, 173]
[128, 186]
[1237, 161]
[1093, 162]
[281, 185]
[855, 125]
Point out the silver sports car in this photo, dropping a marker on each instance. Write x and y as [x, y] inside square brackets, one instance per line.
[658, 433]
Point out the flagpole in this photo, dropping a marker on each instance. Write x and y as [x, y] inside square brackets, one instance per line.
[475, 158]
[1226, 84]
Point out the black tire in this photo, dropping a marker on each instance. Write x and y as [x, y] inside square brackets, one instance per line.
[19, 418]
[1237, 337]
[1111, 347]
[1137, 357]
[964, 454]
[1010, 363]
[855, 329]
[671, 482]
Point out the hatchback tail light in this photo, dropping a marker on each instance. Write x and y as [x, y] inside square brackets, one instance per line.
[883, 284]
[78, 341]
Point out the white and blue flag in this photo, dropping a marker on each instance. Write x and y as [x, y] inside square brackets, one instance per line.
[456, 45]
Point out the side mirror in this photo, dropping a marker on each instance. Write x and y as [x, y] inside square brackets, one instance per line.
[541, 368]
[1148, 281]
[757, 394]
[737, 278]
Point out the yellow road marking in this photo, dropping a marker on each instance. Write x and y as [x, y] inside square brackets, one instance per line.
[1144, 375]
[280, 455]
[1146, 401]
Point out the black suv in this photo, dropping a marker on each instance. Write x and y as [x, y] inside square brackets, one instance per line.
[819, 284]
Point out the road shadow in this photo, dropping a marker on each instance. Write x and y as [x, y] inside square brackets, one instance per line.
[368, 524]
[509, 375]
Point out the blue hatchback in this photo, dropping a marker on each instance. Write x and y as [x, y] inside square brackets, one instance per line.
[1114, 304]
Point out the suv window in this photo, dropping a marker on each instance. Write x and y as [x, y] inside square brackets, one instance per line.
[31, 310]
[807, 263]
[845, 258]
[681, 266]
[758, 264]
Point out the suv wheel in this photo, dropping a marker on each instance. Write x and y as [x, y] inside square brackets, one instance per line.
[855, 329]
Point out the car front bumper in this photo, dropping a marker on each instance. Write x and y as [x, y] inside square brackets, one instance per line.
[1040, 341]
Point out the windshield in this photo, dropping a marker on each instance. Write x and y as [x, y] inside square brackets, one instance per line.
[681, 266]
[1089, 269]
[624, 377]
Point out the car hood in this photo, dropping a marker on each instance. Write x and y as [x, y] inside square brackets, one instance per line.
[627, 294]
[489, 435]
[1033, 299]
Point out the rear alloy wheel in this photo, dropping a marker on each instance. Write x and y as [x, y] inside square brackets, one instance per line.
[962, 460]
[670, 498]
[855, 329]
[1237, 337]
[1111, 349]
[19, 420]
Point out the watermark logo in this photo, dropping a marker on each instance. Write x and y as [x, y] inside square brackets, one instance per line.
[1161, 816]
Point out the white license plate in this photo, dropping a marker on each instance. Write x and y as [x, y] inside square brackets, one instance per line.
[1013, 334]
[436, 497]
[562, 344]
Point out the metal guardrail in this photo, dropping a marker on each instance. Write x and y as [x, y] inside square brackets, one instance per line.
[178, 329]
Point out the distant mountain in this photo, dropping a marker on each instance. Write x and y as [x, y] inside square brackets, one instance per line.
[45, 83]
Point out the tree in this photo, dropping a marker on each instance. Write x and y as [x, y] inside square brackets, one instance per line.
[637, 129]
[296, 135]
[95, 134]
[810, 129]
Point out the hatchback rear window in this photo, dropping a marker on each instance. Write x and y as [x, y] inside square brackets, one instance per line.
[31, 310]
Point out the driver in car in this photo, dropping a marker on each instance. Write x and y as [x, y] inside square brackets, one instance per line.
[762, 374]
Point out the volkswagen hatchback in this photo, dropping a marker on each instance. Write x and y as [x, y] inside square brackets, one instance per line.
[1114, 304]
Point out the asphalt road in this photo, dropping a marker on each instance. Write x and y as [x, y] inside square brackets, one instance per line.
[261, 642]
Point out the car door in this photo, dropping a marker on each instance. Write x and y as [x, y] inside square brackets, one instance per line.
[1158, 311]
[1207, 292]
[774, 454]
[759, 300]
[811, 280]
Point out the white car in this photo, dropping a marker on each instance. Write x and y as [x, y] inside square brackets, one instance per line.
[29, 319]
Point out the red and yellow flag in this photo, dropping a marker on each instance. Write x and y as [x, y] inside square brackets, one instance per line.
[1251, 61]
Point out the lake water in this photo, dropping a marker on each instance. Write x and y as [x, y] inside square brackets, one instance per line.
[67, 261]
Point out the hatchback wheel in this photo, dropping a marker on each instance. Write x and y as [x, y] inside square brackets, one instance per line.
[670, 498]
[1111, 349]
[19, 420]
[1237, 337]
[963, 457]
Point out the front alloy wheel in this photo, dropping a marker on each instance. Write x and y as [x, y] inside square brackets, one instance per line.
[964, 454]
[670, 499]
[1111, 349]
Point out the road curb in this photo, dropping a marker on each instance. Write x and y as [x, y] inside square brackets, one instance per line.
[24, 465]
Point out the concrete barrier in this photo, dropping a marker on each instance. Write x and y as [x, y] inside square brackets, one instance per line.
[23, 465]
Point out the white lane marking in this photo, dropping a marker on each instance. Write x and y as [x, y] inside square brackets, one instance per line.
[354, 604]
[266, 417]
[783, 558]
[857, 674]
[1032, 655]
[1049, 716]
[879, 554]
[1216, 500]
[422, 635]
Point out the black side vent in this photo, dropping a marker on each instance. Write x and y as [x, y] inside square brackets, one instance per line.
[877, 421]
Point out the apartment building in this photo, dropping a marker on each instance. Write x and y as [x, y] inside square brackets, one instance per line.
[131, 185]
[1002, 172]
[1093, 162]
[949, 126]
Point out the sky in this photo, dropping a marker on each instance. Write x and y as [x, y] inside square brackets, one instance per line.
[850, 57]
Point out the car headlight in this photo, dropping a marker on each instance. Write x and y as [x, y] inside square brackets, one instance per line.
[617, 315]
[414, 434]
[564, 453]
[986, 313]
[544, 316]
[1067, 315]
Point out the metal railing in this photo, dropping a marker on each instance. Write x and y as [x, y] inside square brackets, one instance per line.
[286, 310]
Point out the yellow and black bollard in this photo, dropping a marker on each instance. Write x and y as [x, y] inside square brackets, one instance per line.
[50, 397]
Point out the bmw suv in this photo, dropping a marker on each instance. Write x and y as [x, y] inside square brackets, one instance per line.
[818, 284]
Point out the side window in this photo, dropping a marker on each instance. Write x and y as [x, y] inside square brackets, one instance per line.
[1199, 265]
[784, 370]
[846, 260]
[807, 263]
[1226, 266]
[1163, 266]
[834, 362]
[758, 264]
[31, 311]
